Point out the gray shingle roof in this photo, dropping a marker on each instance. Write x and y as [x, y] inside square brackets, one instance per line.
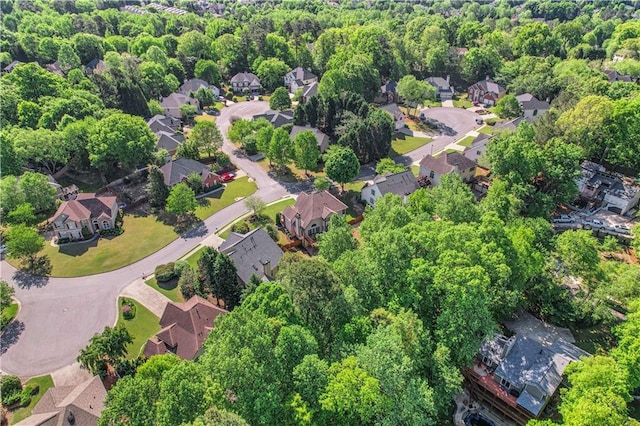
[322, 138]
[251, 252]
[248, 77]
[445, 163]
[402, 183]
[276, 118]
[311, 90]
[315, 205]
[529, 102]
[300, 73]
[193, 85]
[162, 123]
[174, 171]
[169, 140]
[489, 85]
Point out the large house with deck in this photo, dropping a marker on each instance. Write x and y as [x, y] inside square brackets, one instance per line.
[310, 215]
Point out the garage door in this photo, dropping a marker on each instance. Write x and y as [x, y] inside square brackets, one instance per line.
[615, 209]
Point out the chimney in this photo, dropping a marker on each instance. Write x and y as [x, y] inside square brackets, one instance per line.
[267, 268]
[488, 78]
[447, 79]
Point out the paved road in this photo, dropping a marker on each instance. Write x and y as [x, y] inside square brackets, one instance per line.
[58, 316]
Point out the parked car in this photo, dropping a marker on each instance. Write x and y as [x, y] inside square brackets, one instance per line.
[482, 111]
[621, 229]
[594, 224]
[479, 121]
[3, 248]
[563, 218]
[226, 177]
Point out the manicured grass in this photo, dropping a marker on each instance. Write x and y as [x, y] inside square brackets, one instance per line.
[267, 215]
[192, 260]
[9, 313]
[44, 382]
[466, 141]
[205, 117]
[415, 169]
[487, 130]
[402, 144]
[462, 102]
[418, 126]
[218, 105]
[141, 327]
[169, 289]
[239, 188]
[290, 173]
[142, 236]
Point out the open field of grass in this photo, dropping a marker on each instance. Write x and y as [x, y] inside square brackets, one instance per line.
[466, 141]
[141, 327]
[44, 383]
[401, 144]
[239, 188]
[169, 288]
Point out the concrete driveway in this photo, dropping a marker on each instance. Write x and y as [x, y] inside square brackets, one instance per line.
[58, 316]
[459, 120]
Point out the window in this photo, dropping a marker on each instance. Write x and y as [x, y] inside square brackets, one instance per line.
[505, 383]
[535, 112]
[96, 225]
[105, 225]
[373, 192]
[431, 174]
[372, 201]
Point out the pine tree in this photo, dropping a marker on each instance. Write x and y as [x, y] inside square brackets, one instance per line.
[157, 190]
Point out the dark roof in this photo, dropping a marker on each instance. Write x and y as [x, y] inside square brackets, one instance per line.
[300, 73]
[248, 77]
[489, 85]
[251, 252]
[446, 162]
[529, 102]
[277, 118]
[176, 100]
[185, 327]
[55, 68]
[316, 205]
[310, 90]
[403, 183]
[169, 140]
[614, 76]
[96, 64]
[85, 206]
[394, 110]
[193, 85]
[176, 170]
[159, 123]
[322, 138]
[439, 83]
[84, 401]
[12, 66]
[389, 86]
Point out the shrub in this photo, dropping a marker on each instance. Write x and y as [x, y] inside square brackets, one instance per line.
[25, 396]
[222, 160]
[187, 290]
[235, 99]
[260, 98]
[491, 121]
[179, 266]
[229, 95]
[165, 272]
[10, 387]
[240, 227]
[272, 231]
[85, 232]
[278, 220]
[128, 309]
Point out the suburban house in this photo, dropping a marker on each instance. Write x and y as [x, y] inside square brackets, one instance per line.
[447, 162]
[185, 327]
[310, 215]
[86, 211]
[601, 188]
[192, 86]
[402, 184]
[388, 93]
[246, 80]
[276, 118]
[97, 65]
[531, 106]
[486, 92]
[69, 405]
[394, 111]
[309, 91]
[478, 149]
[443, 90]
[323, 139]
[614, 76]
[518, 375]
[176, 171]
[169, 141]
[299, 78]
[64, 193]
[168, 9]
[172, 103]
[11, 67]
[253, 253]
[163, 123]
[55, 68]
[509, 125]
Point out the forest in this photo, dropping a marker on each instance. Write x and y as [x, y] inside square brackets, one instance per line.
[378, 327]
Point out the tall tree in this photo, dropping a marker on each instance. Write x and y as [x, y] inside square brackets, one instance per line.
[24, 242]
[271, 73]
[6, 294]
[280, 147]
[279, 99]
[105, 349]
[337, 240]
[255, 204]
[415, 91]
[306, 150]
[37, 190]
[157, 190]
[341, 165]
[508, 107]
[207, 136]
[181, 200]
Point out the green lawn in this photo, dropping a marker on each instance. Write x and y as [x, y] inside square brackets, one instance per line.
[415, 169]
[169, 289]
[487, 130]
[402, 144]
[462, 102]
[267, 215]
[204, 117]
[192, 260]
[9, 313]
[238, 188]
[143, 235]
[466, 141]
[44, 382]
[141, 327]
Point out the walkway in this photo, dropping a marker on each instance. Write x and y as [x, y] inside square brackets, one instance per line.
[152, 299]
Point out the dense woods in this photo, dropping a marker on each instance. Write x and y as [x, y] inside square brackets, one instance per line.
[376, 329]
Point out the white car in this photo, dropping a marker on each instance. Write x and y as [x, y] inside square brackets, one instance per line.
[621, 229]
[594, 224]
[563, 218]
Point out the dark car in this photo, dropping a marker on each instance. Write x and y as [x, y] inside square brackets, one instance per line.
[226, 177]
[479, 121]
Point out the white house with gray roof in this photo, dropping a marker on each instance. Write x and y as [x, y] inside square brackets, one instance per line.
[253, 253]
[531, 106]
[299, 78]
[171, 104]
[443, 89]
[402, 184]
[193, 85]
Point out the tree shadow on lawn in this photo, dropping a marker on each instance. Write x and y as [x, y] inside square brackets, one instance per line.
[195, 231]
[11, 335]
[168, 285]
[284, 174]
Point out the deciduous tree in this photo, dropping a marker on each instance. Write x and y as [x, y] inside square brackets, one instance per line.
[24, 242]
[105, 349]
[157, 190]
[337, 240]
[341, 165]
[306, 150]
[207, 136]
[255, 204]
[181, 200]
[415, 91]
[279, 99]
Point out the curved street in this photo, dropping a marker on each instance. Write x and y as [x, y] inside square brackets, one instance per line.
[58, 316]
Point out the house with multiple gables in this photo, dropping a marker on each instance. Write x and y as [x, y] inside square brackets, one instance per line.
[176, 171]
[322, 138]
[185, 327]
[191, 86]
[246, 80]
[165, 129]
[310, 215]
[602, 188]
[69, 405]
[171, 104]
[443, 89]
[276, 118]
[518, 375]
[299, 78]
[396, 114]
[477, 152]
[486, 91]
[402, 184]
[447, 162]
[531, 106]
[169, 141]
[87, 211]
[388, 93]
[253, 253]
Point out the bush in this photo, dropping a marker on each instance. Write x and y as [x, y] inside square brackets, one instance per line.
[10, 388]
[25, 396]
[235, 99]
[111, 231]
[128, 309]
[272, 231]
[491, 121]
[278, 220]
[165, 272]
[240, 227]
[179, 266]
[86, 233]
[229, 95]
[222, 160]
[260, 98]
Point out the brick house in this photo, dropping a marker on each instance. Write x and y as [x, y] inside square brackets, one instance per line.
[86, 211]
